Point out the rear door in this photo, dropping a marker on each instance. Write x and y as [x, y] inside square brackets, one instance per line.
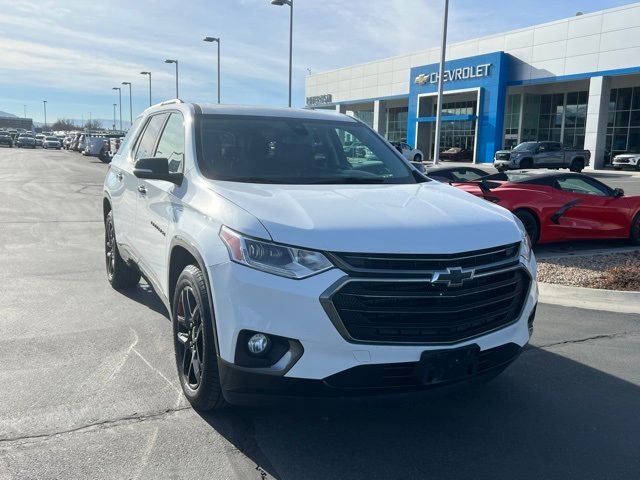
[552, 156]
[156, 201]
[589, 209]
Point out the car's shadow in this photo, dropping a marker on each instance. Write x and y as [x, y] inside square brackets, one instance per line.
[145, 295]
[546, 417]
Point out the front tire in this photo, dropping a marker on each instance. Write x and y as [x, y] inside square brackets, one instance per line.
[417, 158]
[120, 275]
[634, 234]
[526, 164]
[530, 223]
[194, 343]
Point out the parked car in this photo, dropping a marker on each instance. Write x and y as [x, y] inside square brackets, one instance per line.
[627, 159]
[39, 139]
[408, 152]
[457, 154]
[51, 142]
[66, 143]
[528, 155]
[290, 269]
[26, 140]
[556, 207]
[5, 139]
[456, 174]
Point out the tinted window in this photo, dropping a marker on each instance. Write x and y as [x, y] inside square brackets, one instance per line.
[290, 150]
[171, 145]
[147, 142]
[525, 147]
[124, 144]
[583, 186]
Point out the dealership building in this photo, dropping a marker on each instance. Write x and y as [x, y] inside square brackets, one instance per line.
[576, 81]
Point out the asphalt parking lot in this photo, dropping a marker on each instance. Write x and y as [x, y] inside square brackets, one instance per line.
[89, 388]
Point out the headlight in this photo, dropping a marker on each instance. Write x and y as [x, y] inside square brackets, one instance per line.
[525, 244]
[272, 258]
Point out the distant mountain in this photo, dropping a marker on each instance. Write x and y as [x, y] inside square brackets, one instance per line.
[5, 115]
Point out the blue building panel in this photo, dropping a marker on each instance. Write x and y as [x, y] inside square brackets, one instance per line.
[489, 74]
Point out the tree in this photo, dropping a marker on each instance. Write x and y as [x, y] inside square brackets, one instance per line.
[64, 124]
[93, 125]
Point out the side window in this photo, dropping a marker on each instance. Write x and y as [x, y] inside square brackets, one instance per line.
[554, 147]
[581, 185]
[171, 145]
[147, 142]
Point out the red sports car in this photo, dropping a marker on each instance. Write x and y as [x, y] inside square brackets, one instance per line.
[556, 207]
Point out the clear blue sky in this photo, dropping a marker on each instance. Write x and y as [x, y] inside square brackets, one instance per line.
[71, 52]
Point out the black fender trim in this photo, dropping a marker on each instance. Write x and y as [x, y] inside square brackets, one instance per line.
[555, 218]
[179, 241]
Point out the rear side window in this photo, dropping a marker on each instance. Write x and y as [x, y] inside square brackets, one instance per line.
[171, 145]
[147, 143]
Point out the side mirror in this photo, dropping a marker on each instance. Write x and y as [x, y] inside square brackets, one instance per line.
[156, 169]
[618, 192]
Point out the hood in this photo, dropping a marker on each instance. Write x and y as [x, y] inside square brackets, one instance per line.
[416, 218]
[627, 155]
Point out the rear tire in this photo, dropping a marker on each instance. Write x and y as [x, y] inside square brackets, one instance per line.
[194, 341]
[530, 223]
[577, 166]
[120, 275]
[638, 166]
[634, 234]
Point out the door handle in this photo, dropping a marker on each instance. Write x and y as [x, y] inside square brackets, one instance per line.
[142, 189]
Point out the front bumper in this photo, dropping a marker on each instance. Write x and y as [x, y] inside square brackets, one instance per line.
[625, 162]
[247, 299]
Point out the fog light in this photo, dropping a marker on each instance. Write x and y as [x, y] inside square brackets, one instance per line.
[258, 344]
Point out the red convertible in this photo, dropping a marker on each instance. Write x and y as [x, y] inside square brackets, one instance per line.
[556, 207]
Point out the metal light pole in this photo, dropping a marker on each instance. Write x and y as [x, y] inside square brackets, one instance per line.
[114, 117]
[120, 103]
[176, 62]
[44, 102]
[130, 104]
[148, 73]
[436, 146]
[290, 3]
[217, 40]
[25, 111]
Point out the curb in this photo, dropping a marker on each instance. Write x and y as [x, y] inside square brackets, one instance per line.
[589, 298]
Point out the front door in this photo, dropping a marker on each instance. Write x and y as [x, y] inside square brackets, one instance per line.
[157, 203]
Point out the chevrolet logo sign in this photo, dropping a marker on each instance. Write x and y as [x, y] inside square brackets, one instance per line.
[453, 277]
[422, 79]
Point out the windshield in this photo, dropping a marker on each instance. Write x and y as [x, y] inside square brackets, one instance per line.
[525, 147]
[52, 139]
[296, 151]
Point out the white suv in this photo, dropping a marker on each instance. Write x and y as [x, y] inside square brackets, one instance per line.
[290, 268]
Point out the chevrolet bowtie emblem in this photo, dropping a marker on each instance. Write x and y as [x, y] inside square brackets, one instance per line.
[453, 277]
[422, 79]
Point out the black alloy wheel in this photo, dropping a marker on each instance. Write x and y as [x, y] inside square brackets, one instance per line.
[194, 341]
[530, 225]
[634, 236]
[120, 275]
[189, 336]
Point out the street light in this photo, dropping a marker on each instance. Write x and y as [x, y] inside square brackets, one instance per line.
[217, 40]
[176, 62]
[148, 73]
[130, 104]
[290, 3]
[436, 145]
[120, 103]
[114, 117]
[44, 102]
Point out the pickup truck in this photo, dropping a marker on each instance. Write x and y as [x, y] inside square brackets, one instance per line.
[529, 155]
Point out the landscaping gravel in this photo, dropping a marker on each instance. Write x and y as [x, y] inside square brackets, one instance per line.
[615, 271]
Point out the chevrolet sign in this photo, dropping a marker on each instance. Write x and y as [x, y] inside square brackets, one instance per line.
[462, 73]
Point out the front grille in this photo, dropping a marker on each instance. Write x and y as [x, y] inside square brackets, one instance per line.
[503, 156]
[419, 264]
[622, 160]
[417, 311]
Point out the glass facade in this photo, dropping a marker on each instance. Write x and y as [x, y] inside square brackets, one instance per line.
[397, 124]
[459, 133]
[623, 124]
[365, 115]
[512, 120]
[556, 117]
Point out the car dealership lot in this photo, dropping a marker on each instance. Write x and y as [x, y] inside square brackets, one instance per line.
[90, 388]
